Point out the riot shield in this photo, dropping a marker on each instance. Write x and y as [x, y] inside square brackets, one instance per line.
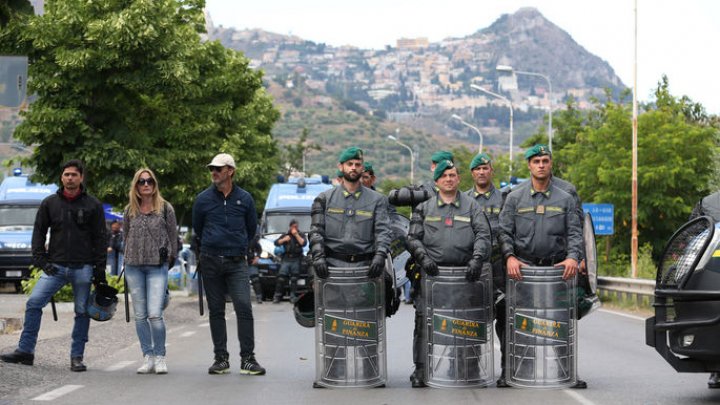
[399, 226]
[458, 339]
[588, 300]
[541, 329]
[350, 329]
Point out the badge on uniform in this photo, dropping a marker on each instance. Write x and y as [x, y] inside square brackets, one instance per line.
[540, 209]
[448, 221]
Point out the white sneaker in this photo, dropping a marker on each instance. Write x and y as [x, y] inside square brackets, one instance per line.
[148, 365]
[160, 365]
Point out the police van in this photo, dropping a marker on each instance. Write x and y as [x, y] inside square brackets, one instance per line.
[287, 200]
[19, 201]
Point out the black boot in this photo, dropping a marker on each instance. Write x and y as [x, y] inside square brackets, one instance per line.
[18, 357]
[714, 381]
[76, 364]
[417, 378]
[257, 287]
[501, 383]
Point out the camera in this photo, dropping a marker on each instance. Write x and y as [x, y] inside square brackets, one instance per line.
[408, 196]
[163, 254]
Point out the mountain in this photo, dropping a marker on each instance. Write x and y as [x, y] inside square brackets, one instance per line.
[418, 85]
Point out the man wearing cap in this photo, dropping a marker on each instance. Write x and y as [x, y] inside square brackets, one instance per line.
[350, 225]
[449, 229]
[490, 200]
[538, 223]
[435, 158]
[224, 221]
[368, 176]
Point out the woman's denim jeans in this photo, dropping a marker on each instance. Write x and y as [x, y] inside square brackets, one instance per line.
[79, 278]
[147, 286]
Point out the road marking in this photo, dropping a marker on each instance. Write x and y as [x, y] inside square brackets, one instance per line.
[173, 330]
[578, 397]
[204, 325]
[57, 393]
[637, 318]
[187, 334]
[119, 366]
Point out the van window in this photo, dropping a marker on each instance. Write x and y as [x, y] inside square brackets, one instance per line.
[279, 223]
[17, 218]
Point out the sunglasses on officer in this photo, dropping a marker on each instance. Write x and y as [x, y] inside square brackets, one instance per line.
[149, 181]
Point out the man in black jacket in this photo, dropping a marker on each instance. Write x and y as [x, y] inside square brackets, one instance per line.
[293, 241]
[76, 255]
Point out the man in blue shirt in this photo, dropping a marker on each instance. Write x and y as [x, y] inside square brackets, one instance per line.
[224, 221]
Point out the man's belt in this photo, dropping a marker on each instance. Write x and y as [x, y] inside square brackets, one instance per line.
[542, 261]
[350, 258]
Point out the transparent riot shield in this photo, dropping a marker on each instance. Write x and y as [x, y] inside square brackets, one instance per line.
[350, 329]
[458, 339]
[541, 329]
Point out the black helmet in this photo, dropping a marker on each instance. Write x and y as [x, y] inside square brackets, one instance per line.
[304, 310]
[102, 303]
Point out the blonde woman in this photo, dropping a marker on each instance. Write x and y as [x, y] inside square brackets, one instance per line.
[150, 245]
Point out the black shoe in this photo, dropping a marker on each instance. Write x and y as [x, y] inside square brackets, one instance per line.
[259, 299]
[580, 385]
[714, 381]
[250, 366]
[220, 366]
[501, 383]
[76, 364]
[18, 357]
[417, 378]
[276, 299]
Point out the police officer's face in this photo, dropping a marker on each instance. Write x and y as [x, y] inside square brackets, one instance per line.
[449, 180]
[352, 170]
[71, 178]
[540, 167]
[367, 179]
[483, 175]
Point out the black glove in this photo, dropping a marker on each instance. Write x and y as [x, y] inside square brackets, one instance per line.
[428, 265]
[377, 266]
[99, 274]
[474, 268]
[49, 269]
[321, 268]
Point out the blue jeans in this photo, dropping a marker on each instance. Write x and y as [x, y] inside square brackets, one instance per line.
[147, 286]
[222, 275]
[45, 288]
[115, 261]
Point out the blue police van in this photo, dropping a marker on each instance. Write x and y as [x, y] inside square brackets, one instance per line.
[287, 200]
[19, 201]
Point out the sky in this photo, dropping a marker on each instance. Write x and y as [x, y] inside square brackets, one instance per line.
[675, 38]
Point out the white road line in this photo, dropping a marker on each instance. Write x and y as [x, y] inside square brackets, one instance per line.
[188, 333]
[119, 366]
[57, 393]
[203, 325]
[637, 318]
[578, 397]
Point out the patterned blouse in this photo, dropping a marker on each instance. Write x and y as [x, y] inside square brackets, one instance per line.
[145, 234]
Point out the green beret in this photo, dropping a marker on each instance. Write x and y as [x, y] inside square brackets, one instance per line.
[441, 155]
[367, 167]
[441, 167]
[351, 153]
[480, 159]
[537, 150]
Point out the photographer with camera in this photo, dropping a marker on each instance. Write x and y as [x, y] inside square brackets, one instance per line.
[75, 254]
[293, 241]
[150, 244]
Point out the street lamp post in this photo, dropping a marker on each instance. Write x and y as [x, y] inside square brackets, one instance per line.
[509, 69]
[507, 100]
[457, 117]
[412, 157]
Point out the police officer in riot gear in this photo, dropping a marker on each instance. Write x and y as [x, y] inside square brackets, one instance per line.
[490, 200]
[294, 241]
[539, 225]
[350, 225]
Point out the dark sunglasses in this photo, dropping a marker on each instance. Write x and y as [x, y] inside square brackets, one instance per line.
[149, 182]
[215, 168]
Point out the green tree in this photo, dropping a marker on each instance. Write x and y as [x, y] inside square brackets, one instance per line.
[675, 162]
[293, 155]
[123, 84]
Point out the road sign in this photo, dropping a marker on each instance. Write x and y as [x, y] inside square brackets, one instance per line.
[602, 216]
[13, 80]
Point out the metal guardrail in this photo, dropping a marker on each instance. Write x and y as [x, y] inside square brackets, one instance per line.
[636, 289]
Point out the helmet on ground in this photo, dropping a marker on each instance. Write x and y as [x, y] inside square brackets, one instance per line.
[102, 303]
[304, 310]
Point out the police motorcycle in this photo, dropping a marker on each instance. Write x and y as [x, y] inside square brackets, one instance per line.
[685, 330]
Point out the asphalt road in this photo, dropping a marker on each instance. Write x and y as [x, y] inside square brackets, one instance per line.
[613, 358]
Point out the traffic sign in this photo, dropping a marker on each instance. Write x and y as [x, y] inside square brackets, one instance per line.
[602, 216]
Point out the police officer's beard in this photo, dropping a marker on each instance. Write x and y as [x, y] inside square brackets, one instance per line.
[346, 177]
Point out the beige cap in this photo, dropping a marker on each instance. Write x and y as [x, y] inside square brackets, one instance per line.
[222, 159]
